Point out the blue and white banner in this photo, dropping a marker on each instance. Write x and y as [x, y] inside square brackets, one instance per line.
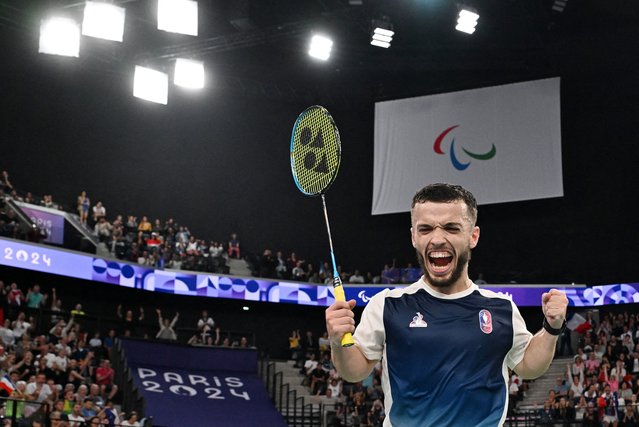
[503, 143]
[188, 386]
[119, 273]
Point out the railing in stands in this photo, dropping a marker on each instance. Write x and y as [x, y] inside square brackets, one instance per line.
[131, 399]
[20, 412]
[295, 411]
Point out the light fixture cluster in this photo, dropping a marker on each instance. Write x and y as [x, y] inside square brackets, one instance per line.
[382, 34]
[61, 35]
[153, 85]
[467, 20]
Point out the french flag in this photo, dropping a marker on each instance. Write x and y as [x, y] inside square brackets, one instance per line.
[578, 323]
[6, 384]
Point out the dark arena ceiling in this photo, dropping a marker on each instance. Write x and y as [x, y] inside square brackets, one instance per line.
[259, 46]
[55, 109]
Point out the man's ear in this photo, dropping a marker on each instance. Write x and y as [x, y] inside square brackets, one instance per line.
[474, 237]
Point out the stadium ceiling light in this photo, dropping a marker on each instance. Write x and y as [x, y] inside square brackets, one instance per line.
[178, 16]
[59, 36]
[559, 5]
[320, 47]
[382, 34]
[189, 73]
[103, 21]
[151, 85]
[467, 21]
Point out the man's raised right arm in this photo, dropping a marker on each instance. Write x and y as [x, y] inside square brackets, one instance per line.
[350, 362]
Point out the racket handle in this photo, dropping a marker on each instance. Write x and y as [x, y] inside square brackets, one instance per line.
[338, 290]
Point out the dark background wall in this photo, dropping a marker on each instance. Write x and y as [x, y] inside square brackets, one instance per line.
[218, 160]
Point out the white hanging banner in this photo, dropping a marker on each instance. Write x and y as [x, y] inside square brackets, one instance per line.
[503, 143]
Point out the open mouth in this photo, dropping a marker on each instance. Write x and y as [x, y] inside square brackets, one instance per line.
[440, 261]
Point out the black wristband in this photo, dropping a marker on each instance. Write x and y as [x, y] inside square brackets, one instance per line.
[551, 330]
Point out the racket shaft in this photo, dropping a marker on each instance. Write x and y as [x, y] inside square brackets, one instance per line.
[338, 290]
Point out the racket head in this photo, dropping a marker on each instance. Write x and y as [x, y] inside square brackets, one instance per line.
[316, 151]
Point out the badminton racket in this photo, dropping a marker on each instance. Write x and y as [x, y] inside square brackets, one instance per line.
[315, 157]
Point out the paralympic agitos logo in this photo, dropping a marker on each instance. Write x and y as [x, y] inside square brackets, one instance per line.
[457, 164]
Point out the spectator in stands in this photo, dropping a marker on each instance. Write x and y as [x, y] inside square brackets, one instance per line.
[47, 201]
[280, 268]
[546, 414]
[15, 297]
[7, 338]
[390, 274]
[630, 417]
[20, 326]
[103, 229]
[130, 322]
[267, 264]
[111, 413]
[83, 204]
[319, 378]
[376, 415]
[88, 410]
[75, 417]
[234, 247]
[145, 226]
[309, 365]
[99, 211]
[205, 321]
[104, 377]
[564, 411]
[35, 299]
[295, 347]
[5, 183]
[324, 344]
[131, 420]
[356, 277]
[298, 273]
[40, 391]
[166, 331]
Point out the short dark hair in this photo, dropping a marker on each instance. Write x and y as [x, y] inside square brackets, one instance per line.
[447, 193]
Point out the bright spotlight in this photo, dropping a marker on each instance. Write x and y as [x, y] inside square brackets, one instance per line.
[559, 5]
[151, 85]
[178, 16]
[320, 47]
[103, 20]
[59, 36]
[189, 73]
[382, 37]
[467, 21]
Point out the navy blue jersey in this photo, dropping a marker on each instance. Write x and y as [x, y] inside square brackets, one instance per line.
[445, 357]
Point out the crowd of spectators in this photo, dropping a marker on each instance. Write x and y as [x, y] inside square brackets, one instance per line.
[58, 361]
[167, 244]
[156, 244]
[292, 267]
[601, 383]
[53, 366]
[354, 404]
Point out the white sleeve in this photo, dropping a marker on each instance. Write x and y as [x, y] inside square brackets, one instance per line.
[521, 339]
[370, 336]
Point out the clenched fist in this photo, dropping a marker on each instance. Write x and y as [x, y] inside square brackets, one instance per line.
[554, 305]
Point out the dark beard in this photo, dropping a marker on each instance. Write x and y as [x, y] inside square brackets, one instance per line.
[462, 262]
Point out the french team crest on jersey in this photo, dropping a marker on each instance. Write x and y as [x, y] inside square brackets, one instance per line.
[485, 321]
[418, 321]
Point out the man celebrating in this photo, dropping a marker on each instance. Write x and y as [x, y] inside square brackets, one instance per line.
[445, 344]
